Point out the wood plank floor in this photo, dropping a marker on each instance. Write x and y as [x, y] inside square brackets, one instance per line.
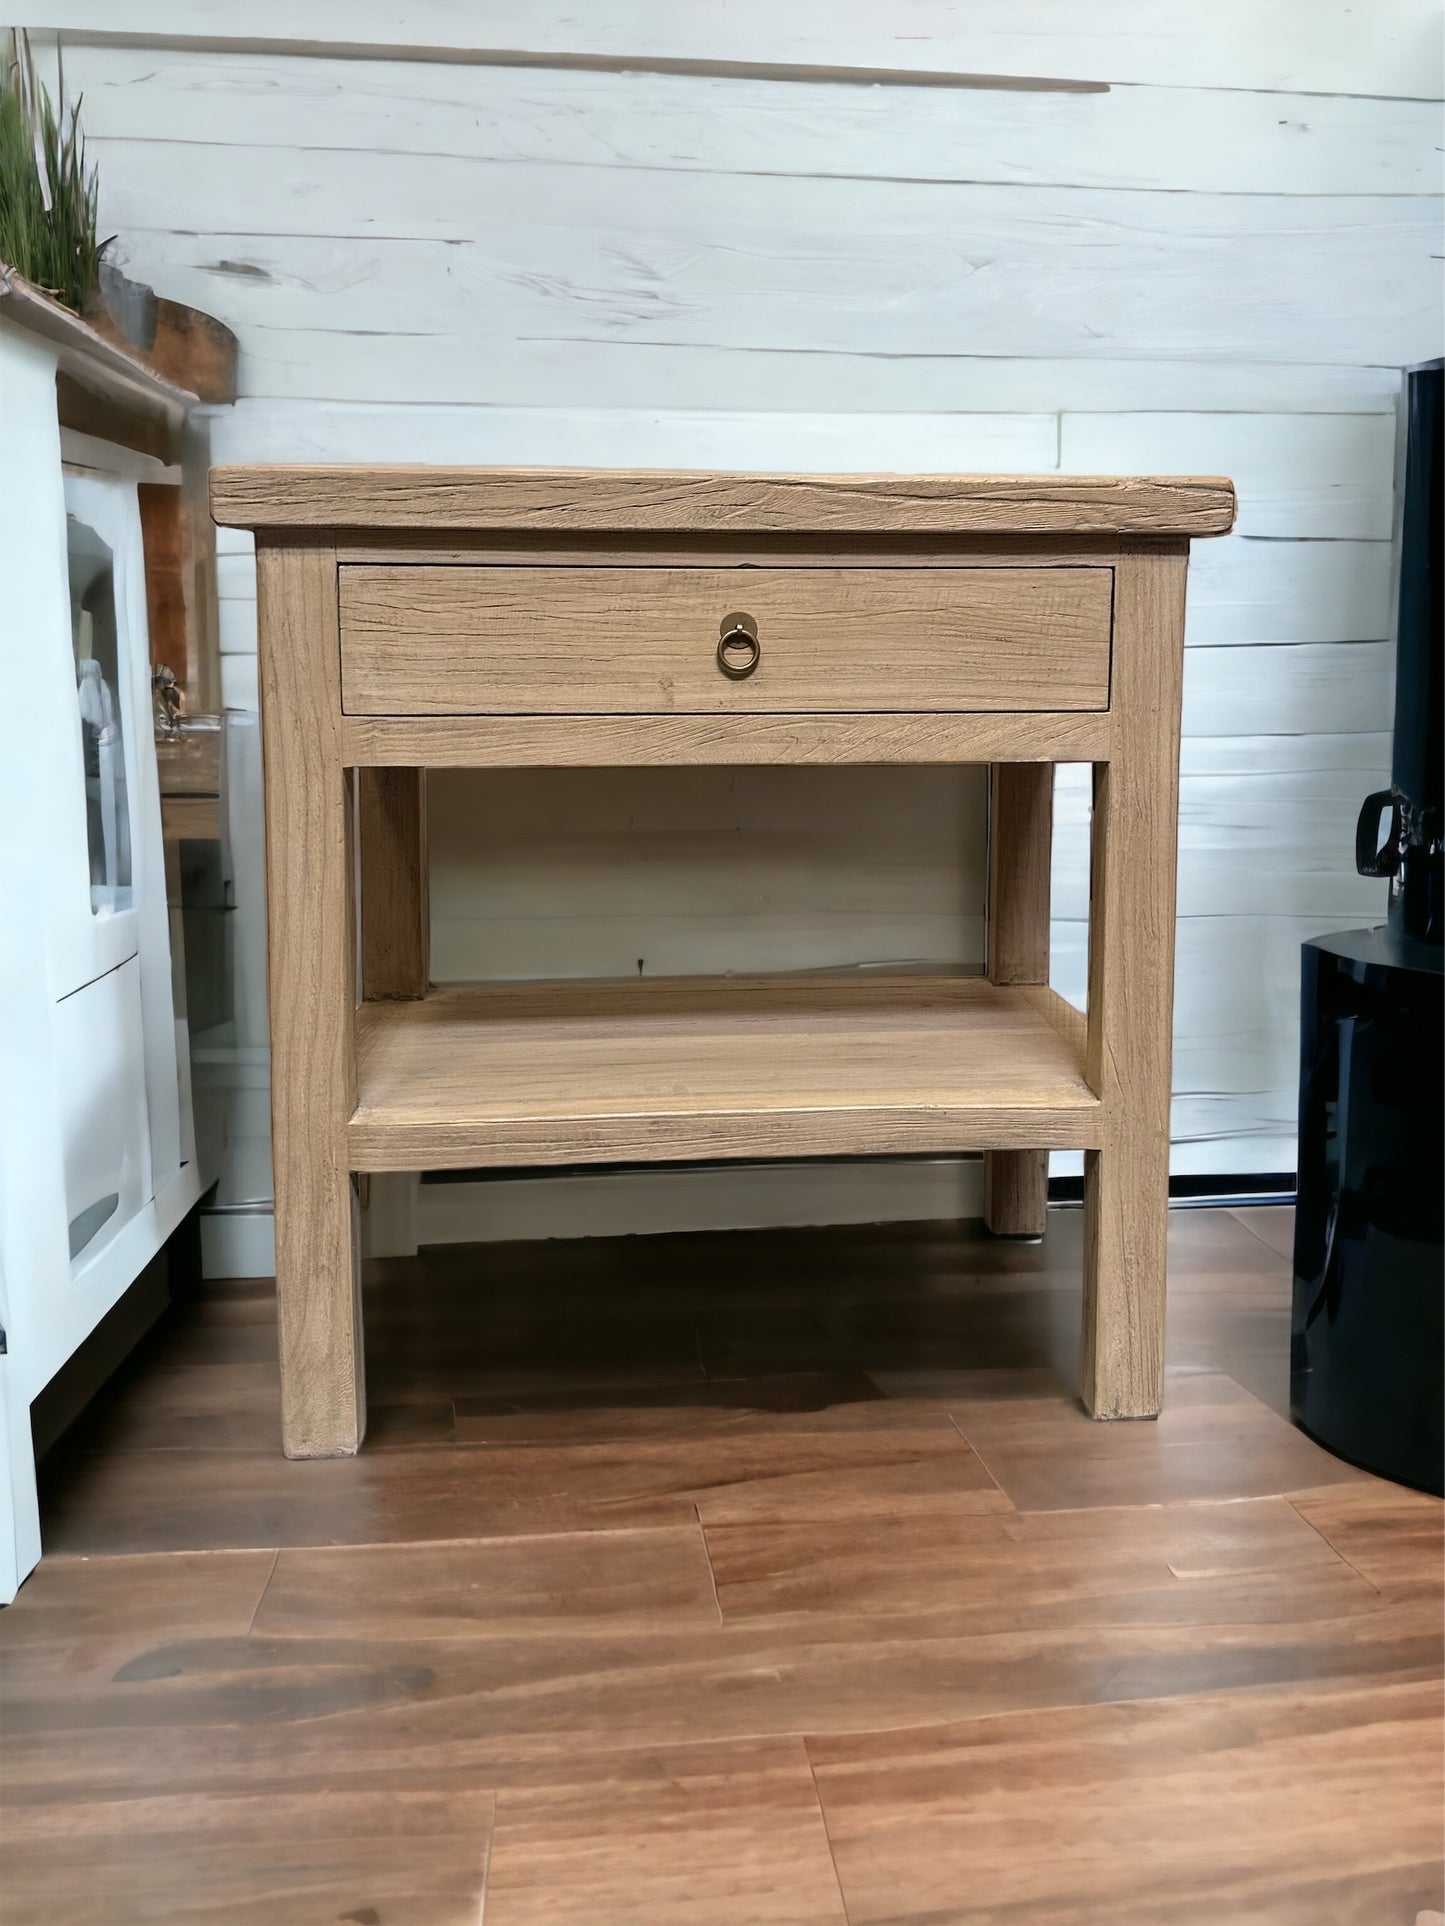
[751, 1580]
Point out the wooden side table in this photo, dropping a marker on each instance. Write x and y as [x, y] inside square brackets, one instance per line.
[416, 618]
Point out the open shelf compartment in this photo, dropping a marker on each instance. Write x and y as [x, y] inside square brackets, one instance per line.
[669, 1069]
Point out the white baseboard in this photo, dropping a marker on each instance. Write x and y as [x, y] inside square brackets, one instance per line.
[747, 1197]
[238, 1243]
[405, 1213]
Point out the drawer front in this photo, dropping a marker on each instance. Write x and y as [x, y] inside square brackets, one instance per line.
[427, 639]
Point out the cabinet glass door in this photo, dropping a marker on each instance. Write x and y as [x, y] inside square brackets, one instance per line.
[93, 634]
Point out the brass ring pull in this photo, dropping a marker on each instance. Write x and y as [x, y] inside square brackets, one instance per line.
[739, 650]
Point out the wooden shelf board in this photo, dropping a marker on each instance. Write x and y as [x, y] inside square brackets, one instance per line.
[667, 1069]
[102, 365]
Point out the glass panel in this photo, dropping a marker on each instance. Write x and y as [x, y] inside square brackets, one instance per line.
[97, 685]
[84, 1227]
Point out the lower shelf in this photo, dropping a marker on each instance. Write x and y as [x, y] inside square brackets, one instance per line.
[668, 1069]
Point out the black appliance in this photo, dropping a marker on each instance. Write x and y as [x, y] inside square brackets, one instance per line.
[1367, 1366]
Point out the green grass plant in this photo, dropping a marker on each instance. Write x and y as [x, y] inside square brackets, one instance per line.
[47, 194]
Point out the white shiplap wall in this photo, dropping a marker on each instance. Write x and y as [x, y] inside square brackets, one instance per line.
[1134, 237]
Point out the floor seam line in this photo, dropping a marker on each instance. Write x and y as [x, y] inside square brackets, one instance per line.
[992, 1476]
[261, 1597]
[827, 1835]
[1324, 1540]
[1279, 1256]
[711, 1573]
[487, 1857]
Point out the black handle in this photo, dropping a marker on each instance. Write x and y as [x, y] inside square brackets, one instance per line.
[1371, 857]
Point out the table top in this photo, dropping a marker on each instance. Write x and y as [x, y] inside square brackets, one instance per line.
[637, 501]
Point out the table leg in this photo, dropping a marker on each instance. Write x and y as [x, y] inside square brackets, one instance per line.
[1020, 848]
[395, 917]
[310, 919]
[1131, 992]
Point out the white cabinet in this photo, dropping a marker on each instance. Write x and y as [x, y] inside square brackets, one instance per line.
[97, 1163]
[100, 1099]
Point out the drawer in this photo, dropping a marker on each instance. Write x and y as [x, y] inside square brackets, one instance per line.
[430, 639]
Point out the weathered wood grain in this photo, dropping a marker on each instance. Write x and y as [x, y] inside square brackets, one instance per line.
[312, 1002]
[300, 496]
[1131, 994]
[1326, 476]
[800, 549]
[652, 1068]
[424, 640]
[1020, 852]
[678, 1075]
[525, 742]
[395, 894]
